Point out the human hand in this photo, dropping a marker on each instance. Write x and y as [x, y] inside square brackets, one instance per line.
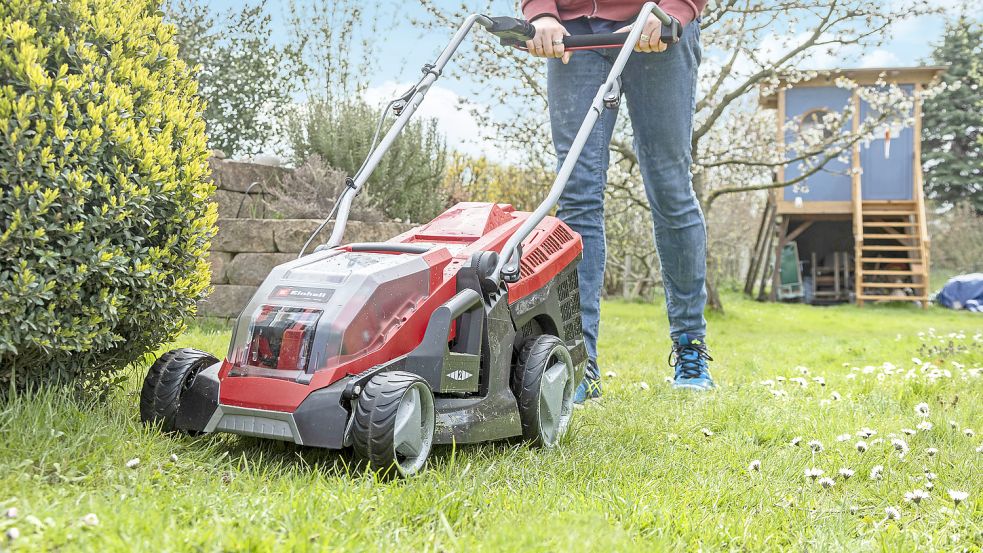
[651, 38]
[548, 42]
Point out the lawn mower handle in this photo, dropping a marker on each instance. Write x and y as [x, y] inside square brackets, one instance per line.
[507, 28]
[670, 34]
[508, 263]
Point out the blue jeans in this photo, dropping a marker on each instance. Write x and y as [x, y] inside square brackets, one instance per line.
[660, 91]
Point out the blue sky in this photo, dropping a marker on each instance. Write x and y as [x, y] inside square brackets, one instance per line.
[401, 49]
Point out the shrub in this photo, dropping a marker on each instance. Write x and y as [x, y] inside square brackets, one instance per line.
[405, 185]
[310, 191]
[105, 218]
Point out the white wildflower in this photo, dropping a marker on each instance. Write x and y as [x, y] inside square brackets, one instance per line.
[173, 457]
[816, 446]
[932, 451]
[969, 432]
[802, 370]
[813, 473]
[778, 393]
[929, 485]
[866, 432]
[611, 374]
[12, 534]
[668, 380]
[800, 381]
[979, 449]
[827, 482]
[780, 378]
[892, 513]
[921, 409]
[796, 440]
[876, 472]
[909, 431]
[846, 473]
[755, 466]
[644, 385]
[915, 496]
[706, 432]
[925, 426]
[876, 441]
[90, 520]
[819, 380]
[843, 437]
[11, 512]
[930, 476]
[958, 496]
[861, 446]
[900, 445]
[854, 509]
[836, 396]
[916, 361]
[133, 463]
[953, 424]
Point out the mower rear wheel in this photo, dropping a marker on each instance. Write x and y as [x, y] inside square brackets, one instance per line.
[544, 385]
[167, 380]
[394, 423]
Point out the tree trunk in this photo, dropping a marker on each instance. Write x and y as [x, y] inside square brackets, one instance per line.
[713, 296]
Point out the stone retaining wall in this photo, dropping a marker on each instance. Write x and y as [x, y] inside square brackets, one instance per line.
[245, 250]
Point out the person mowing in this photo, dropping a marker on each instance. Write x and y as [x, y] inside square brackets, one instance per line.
[659, 85]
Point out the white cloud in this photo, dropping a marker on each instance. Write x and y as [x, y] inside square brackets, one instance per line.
[880, 58]
[451, 112]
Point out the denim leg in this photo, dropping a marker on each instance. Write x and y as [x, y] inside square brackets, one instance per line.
[660, 90]
[571, 88]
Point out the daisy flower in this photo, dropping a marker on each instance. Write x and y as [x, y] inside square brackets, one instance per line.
[706, 432]
[915, 496]
[796, 440]
[908, 431]
[922, 408]
[924, 426]
[932, 451]
[816, 446]
[892, 513]
[969, 432]
[861, 446]
[813, 473]
[843, 437]
[827, 482]
[900, 445]
[958, 496]
[846, 473]
[755, 466]
[877, 472]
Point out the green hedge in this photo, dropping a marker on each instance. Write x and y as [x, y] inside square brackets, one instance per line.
[105, 212]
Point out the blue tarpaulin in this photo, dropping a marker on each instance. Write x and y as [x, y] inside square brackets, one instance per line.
[963, 292]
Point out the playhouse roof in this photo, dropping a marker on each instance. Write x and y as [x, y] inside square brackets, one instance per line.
[869, 75]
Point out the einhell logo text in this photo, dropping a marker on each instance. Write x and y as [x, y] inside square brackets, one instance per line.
[319, 295]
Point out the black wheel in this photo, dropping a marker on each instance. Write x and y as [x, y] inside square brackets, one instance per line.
[168, 378]
[544, 384]
[394, 423]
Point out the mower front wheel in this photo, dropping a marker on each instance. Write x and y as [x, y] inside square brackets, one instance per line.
[394, 423]
[544, 385]
[168, 378]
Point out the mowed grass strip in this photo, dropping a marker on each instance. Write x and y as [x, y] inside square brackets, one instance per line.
[646, 469]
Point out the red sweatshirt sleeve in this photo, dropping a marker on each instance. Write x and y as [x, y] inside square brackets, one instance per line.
[531, 9]
[683, 10]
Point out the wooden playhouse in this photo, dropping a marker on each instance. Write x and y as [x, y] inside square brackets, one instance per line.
[856, 230]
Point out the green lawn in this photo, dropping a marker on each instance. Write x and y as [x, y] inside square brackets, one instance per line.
[637, 471]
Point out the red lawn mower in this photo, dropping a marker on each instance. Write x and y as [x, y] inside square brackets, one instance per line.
[466, 329]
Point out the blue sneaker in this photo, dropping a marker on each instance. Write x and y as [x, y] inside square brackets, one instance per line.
[590, 386]
[689, 356]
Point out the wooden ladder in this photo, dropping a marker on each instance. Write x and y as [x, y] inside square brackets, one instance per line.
[891, 252]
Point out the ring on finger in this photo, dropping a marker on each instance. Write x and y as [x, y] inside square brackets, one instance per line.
[644, 38]
[558, 42]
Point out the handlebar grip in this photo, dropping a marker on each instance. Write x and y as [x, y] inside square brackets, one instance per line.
[670, 35]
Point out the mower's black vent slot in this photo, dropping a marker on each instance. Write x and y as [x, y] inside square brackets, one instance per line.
[542, 253]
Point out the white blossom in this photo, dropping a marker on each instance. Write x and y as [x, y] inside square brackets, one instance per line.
[922, 408]
[900, 445]
[861, 446]
[90, 520]
[846, 473]
[931, 451]
[816, 446]
[924, 426]
[706, 432]
[827, 482]
[796, 440]
[843, 437]
[133, 463]
[755, 466]
[12, 533]
[892, 513]
[969, 432]
[877, 472]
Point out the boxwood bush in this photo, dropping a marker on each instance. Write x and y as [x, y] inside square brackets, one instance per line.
[105, 212]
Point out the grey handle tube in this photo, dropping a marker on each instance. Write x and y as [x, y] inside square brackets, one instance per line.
[419, 92]
[508, 263]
